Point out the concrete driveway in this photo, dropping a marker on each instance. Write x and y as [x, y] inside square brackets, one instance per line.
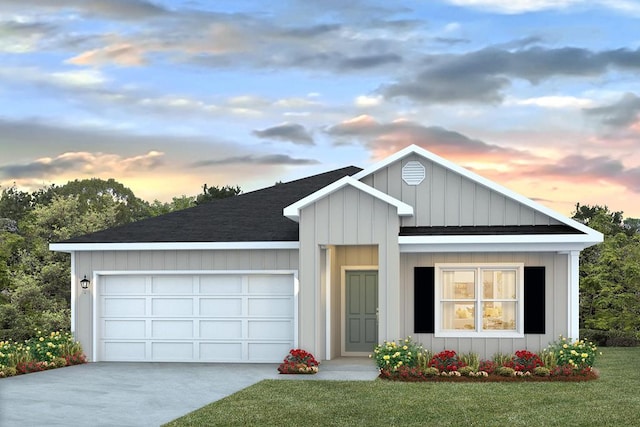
[142, 394]
[121, 394]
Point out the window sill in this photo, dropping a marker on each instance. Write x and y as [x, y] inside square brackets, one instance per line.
[484, 334]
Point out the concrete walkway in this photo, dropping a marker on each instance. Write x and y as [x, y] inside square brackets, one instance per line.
[141, 394]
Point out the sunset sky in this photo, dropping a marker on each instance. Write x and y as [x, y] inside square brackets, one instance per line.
[541, 96]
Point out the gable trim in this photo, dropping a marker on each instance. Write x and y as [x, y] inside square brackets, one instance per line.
[293, 211]
[596, 237]
[168, 246]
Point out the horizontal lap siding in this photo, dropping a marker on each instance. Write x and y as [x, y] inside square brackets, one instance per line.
[446, 198]
[555, 304]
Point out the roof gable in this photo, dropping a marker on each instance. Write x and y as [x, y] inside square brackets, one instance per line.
[414, 150]
[293, 211]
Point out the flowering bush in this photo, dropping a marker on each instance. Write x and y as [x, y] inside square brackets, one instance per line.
[446, 361]
[391, 355]
[578, 354]
[44, 351]
[299, 361]
[524, 361]
[408, 361]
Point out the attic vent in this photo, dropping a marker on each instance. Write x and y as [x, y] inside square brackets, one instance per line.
[413, 173]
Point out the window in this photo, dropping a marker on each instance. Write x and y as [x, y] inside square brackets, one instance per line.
[482, 300]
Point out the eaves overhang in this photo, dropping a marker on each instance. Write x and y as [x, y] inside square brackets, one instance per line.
[168, 246]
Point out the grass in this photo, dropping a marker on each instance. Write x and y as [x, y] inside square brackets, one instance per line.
[613, 400]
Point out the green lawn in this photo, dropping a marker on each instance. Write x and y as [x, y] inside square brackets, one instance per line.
[612, 400]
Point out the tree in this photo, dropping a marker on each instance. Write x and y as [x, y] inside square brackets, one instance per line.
[212, 193]
[610, 273]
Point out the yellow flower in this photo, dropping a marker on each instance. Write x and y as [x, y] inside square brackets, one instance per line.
[386, 357]
[41, 339]
[565, 346]
[584, 355]
[405, 348]
[400, 363]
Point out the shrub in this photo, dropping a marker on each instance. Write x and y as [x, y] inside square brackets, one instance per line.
[446, 361]
[431, 372]
[391, 355]
[541, 371]
[577, 354]
[505, 371]
[466, 371]
[471, 359]
[524, 361]
[298, 361]
[501, 359]
[488, 366]
[548, 358]
[622, 339]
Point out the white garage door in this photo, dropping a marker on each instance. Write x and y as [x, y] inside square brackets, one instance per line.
[195, 318]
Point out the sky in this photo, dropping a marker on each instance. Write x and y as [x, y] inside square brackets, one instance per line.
[541, 96]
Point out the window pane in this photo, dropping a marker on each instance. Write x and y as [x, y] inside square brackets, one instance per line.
[499, 316]
[456, 316]
[458, 284]
[499, 284]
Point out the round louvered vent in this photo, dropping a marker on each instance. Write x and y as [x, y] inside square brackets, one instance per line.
[413, 173]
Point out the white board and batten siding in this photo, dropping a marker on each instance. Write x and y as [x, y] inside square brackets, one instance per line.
[446, 198]
[556, 301]
[195, 317]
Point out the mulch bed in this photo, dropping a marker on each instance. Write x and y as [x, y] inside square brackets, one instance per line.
[593, 375]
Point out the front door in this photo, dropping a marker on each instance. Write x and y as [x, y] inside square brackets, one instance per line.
[361, 292]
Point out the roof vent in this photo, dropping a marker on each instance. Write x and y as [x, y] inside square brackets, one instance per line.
[413, 173]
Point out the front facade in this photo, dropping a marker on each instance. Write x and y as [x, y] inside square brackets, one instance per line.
[414, 245]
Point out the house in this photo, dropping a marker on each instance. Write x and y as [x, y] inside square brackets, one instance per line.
[333, 263]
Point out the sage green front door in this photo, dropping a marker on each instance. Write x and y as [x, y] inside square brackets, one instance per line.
[361, 311]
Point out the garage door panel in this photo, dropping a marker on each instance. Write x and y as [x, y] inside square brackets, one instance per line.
[168, 351]
[172, 306]
[221, 352]
[263, 352]
[124, 351]
[124, 328]
[220, 285]
[172, 285]
[220, 329]
[122, 285]
[269, 285]
[195, 317]
[221, 307]
[278, 307]
[124, 307]
[172, 328]
[280, 330]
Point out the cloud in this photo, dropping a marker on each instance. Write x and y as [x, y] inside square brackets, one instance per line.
[385, 138]
[290, 132]
[269, 159]
[482, 76]
[554, 102]
[525, 6]
[123, 54]
[600, 168]
[84, 163]
[113, 9]
[621, 113]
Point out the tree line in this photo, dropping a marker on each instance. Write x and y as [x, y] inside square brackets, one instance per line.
[34, 281]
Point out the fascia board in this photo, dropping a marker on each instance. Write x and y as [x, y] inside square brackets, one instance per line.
[414, 149]
[510, 243]
[293, 211]
[165, 246]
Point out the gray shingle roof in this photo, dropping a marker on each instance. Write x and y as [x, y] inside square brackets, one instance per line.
[255, 216]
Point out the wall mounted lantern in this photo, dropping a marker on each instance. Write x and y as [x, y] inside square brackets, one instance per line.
[84, 283]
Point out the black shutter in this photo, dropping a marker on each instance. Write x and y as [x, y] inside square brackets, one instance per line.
[423, 300]
[534, 315]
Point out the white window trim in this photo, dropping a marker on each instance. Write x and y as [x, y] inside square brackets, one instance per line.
[440, 333]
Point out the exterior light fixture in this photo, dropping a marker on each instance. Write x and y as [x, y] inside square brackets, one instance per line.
[84, 283]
